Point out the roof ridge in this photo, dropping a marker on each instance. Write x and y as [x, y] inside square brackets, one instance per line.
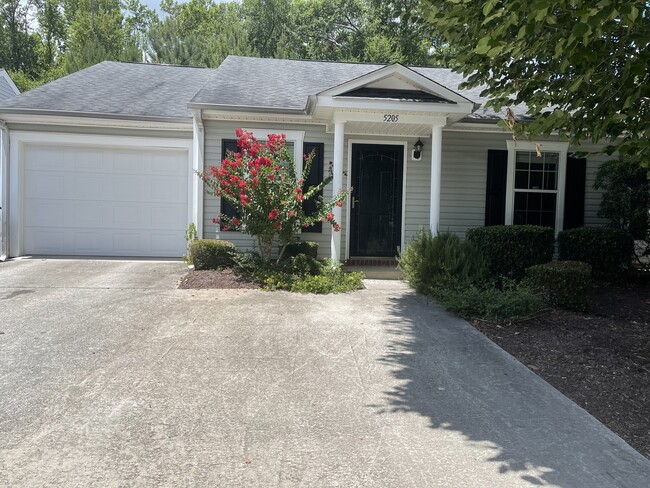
[164, 65]
[328, 61]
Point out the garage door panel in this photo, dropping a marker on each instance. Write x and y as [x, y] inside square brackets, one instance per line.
[88, 242]
[127, 242]
[105, 201]
[162, 243]
[85, 160]
[167, 189]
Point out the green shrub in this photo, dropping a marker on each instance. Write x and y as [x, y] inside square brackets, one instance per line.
[303, 265]
[302, 247]
[609, 251]
[564, 284]
[428, 260]
[304, 274]
[212, 254]
[191, 235]
[248, 261]
[510, 302]
[510, 249]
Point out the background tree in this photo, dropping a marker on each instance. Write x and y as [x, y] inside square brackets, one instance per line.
[580, 66]
[41, 40]
[199, 33]
[270, 25]
[626, 201]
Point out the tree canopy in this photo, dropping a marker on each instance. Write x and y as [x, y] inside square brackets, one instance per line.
[44, 39]
[580, 66]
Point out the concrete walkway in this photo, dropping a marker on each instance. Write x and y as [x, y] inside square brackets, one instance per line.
[109, 376]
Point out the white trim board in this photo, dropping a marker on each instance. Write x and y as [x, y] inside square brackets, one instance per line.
[19, 139]
[348, 209]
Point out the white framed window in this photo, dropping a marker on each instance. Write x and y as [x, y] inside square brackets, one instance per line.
[536, 183]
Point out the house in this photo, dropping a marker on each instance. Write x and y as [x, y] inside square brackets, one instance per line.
[103, 161]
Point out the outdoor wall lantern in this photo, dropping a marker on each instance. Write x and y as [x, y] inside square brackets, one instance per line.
[417, 150]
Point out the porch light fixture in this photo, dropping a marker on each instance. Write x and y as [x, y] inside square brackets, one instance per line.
[417, 150]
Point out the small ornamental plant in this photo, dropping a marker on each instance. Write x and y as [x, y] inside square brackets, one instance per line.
[260, 182]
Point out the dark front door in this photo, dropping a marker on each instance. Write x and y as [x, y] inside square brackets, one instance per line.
[376, 217]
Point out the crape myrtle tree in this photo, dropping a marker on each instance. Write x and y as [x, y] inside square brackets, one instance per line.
[580, 66]
[260, 182]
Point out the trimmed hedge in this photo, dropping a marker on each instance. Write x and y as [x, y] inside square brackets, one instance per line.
[302, 247]
[211, 254]
[510, 249]
[564, 284]
[609, 251]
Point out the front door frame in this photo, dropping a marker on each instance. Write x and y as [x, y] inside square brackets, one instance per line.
[348, 211]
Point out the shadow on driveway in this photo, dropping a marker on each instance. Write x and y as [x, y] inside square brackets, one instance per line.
[449, 373]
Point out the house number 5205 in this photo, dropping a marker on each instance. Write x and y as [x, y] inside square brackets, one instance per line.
[391, 118]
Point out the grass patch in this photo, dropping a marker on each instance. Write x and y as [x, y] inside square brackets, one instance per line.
[488, 302]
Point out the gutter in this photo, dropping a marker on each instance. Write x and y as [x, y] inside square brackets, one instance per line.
[96, 115]
[248, 108]
[4, 191]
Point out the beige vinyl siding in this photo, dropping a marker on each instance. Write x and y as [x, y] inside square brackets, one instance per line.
[215, 132]
[464, 176]
[592, 196]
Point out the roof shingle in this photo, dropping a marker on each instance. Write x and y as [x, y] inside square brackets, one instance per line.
[163, 92]
[122, 89]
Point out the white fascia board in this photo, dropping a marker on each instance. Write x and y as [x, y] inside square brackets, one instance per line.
[355, 103]
[233, 115]
[44, 119]
[8, 79]
[408, 74]
[433, 118]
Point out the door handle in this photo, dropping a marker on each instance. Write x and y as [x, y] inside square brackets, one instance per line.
[354, 202]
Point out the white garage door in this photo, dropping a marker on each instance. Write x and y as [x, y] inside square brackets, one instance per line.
[104, 201]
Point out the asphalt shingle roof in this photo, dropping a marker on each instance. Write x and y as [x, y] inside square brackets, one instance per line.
[121, 89]
[287, 84]
[160, 91]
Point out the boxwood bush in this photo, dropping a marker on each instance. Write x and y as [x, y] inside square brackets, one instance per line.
[211, 254]
[608, 250]
[302, 247]
[564, 284]
[510, 249]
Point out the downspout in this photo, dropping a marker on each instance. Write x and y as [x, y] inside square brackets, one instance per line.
[4, 191]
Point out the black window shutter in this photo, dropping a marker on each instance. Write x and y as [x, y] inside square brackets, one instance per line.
[227, 146]
[574, 194]
[495, 192]
[314, 178]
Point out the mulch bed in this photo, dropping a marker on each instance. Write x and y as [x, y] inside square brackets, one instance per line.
[217, 279]
[599, 359]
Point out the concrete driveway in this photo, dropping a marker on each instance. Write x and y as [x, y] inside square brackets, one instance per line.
[109, 376]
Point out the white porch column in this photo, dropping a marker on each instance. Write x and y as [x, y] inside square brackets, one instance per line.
[197, 166]
[337, 185]
[436, 170]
